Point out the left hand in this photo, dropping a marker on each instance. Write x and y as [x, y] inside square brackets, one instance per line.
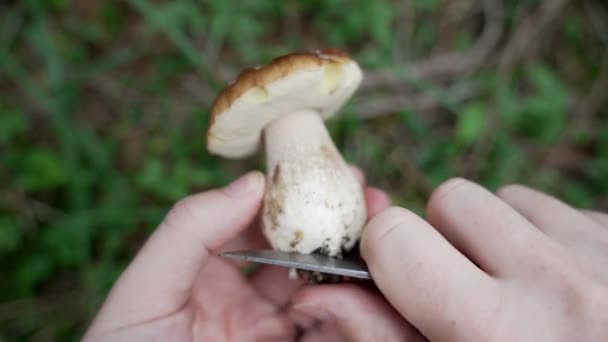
[177, 289]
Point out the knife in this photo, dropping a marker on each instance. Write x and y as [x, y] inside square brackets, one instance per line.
[349, 266]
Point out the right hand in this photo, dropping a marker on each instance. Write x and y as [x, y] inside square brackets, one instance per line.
[516, 266]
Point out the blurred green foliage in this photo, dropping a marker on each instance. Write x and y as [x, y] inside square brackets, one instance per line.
[104, 105]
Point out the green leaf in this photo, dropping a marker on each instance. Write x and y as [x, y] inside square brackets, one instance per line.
[41, 170]
[572, 28]
[12, 123]
[99, 278]
[33, 269]
[152, 173]
[471, 123]
[67, 240]
[414, 124]
[547, 83]
[503, 164]
[169, 186]
[10, 234]
[381, 14]
[112, 17]
[427, 5]
[436, 160]
[507, 101]
[576, 193]
[59, 4]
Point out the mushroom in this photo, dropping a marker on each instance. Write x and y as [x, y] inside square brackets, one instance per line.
[313, 202]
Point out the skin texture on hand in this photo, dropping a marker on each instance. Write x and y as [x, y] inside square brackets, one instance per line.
[516, 266]
[178, 289]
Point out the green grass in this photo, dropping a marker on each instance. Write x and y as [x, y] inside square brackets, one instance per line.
[104, 107]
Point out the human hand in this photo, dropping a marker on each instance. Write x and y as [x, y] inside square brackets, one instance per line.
[177, 289]
[516, 266]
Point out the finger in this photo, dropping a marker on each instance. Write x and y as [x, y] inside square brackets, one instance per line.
[357, 173]
[250, 238]
[376, 200]
[274, 284]
[358, 313]
[227, 304]
[482, 226]
[582, 237]
[324, 332]
[426, 279]
[559, 221]
[161, 275]
[598, 217]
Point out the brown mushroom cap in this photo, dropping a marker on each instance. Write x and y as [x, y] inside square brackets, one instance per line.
[322, 81]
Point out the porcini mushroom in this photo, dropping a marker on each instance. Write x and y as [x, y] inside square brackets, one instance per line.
[313, 202]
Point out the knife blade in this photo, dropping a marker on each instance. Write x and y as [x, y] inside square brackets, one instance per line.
[348, 267]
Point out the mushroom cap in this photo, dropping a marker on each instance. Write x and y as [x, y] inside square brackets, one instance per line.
[322, 81]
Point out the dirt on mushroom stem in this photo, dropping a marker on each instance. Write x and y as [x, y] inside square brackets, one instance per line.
[313, 202]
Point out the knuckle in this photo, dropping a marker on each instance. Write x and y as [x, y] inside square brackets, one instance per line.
[509, 190]
[564, 279]
[602, 242]
[356, 171]
[381, 227]
[182, 211]
[519, 197]
[444, 193]
[572, 294]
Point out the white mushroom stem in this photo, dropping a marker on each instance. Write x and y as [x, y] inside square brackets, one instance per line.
[313, 201]
[295, 136]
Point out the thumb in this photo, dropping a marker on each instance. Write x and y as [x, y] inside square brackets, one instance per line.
[424, 277]
[161, 275]
[359, 314]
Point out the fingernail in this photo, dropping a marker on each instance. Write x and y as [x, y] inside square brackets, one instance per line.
[244, 185]
[314, 312]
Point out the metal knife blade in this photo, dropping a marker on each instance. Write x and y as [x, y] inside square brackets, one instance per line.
[309, 262]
